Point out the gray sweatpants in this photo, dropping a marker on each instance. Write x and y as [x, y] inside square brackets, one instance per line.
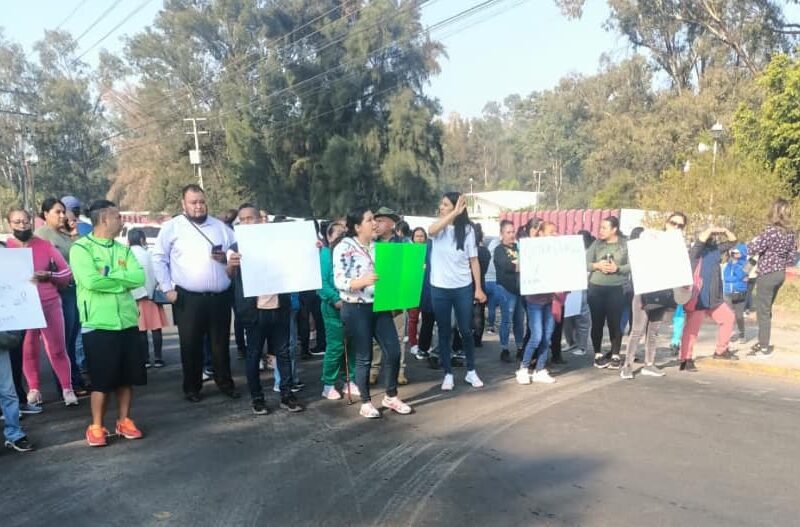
[643, 323]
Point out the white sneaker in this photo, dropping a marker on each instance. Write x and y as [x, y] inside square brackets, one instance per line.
[542, 376]
[276, 388]
[579, 352]
[354, 391]
[414, 350]
[473, 379]
[447, 383]
[369, 411]
[329, 392]
[70, 399]
[34, 397]
[523, 377]
[394, 403]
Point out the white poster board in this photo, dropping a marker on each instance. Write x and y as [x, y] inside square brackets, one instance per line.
[278, 258]
[573, 304]
[20, 307]
[552, 264]
[659, 260]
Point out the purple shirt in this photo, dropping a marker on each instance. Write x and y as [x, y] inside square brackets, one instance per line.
[775, 248]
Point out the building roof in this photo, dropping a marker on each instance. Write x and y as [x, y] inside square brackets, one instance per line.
[508, 199]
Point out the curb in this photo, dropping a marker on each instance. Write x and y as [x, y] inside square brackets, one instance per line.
[746, 366]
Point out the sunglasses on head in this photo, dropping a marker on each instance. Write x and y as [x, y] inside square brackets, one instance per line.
[676, 224]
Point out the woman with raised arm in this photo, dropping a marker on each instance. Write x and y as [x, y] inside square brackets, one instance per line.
[454, 269]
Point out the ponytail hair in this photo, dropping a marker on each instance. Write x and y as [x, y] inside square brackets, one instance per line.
[461, 221]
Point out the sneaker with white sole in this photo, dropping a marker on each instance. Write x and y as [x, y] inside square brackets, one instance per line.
[473, 379]
[70, 399]
[34, 397]
[447, 383]
[523, 377]
[369, 411]
[354, 391]
[330, 393]
[652, 371]
[579, 352]
[626, 372]
[394, 403]
[542, 376]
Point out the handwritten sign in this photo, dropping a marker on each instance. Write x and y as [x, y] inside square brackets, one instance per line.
[552, 264]
[20, 307]
[279, 258]
[659, 260]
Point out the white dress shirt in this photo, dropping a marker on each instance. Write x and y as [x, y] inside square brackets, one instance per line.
[182, 256]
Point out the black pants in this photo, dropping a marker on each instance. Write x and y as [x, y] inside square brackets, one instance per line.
[198, 315]
[767, 287]
[238, 331]
[310, 308]
[361, 325]
[555, 341]
[16, 372]
[478, 323]
[426, 330]
[270, 326]
[738, 309]
[606, 304]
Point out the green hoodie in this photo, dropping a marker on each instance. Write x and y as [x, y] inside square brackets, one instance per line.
[104, 298]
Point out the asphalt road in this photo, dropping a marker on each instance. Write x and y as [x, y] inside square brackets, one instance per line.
[710, 448]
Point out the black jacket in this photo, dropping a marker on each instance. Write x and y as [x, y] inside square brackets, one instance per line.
[507, 275]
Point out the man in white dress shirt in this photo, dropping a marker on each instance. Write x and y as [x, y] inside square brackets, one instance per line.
[189, 263]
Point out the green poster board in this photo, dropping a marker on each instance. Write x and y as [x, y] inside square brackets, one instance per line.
[400, 268]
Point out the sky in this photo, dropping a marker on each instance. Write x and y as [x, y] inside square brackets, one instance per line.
[527, 48]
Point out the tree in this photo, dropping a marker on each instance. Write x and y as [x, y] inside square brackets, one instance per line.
[769, 129]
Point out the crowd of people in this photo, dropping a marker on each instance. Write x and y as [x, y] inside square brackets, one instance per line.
[104, 302]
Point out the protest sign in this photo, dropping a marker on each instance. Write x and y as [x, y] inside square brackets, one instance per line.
[20, 307]
[400, 268]
[552, 264]
[573, 304]
[278, 258]
[659, 260]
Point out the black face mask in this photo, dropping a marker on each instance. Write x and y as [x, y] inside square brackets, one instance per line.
[23, 235]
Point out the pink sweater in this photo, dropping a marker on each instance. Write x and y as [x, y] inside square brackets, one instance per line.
[43, 254]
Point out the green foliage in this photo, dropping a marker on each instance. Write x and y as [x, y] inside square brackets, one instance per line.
[770, 131]
[738, 194]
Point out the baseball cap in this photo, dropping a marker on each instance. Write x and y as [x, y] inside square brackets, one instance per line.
[71, 202]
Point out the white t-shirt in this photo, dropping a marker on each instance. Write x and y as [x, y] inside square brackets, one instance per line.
[449, 266]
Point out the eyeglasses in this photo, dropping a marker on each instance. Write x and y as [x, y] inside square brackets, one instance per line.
[676, 224]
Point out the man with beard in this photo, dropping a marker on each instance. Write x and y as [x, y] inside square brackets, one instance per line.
[189, 263]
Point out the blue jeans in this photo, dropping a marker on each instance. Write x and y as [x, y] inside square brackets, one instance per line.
[541, 324]
[445, 302]
[272, 327]
[361, 325]
[512, 309]
[493, 301]
[8, 400]
[72, 328]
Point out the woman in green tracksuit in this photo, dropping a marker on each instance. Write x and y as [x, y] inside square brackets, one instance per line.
[332, 363]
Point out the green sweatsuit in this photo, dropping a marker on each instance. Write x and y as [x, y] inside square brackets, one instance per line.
[332, 363]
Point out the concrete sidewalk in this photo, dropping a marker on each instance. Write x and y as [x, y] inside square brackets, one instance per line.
[783, 362]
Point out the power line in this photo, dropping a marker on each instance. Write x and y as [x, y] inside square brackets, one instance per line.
[71, 14]
[124, 20]
[98, 20]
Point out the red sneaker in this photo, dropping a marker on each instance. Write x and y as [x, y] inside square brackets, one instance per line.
[127, 429]
[96, 435]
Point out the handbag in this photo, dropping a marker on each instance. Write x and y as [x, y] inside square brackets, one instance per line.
[160, 298]
[697, 285]
[737, 297]
[658, 300]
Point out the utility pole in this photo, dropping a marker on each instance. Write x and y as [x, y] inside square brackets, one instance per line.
[195, 156]
[537, 174]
